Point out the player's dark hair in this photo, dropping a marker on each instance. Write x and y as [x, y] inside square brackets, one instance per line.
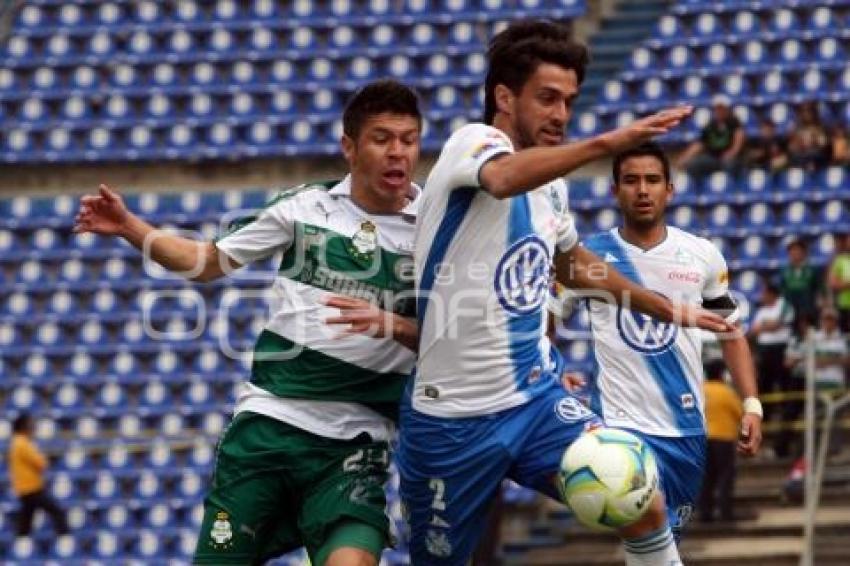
[649, 148]
[379, 97]
[21, 422]
[516, 52]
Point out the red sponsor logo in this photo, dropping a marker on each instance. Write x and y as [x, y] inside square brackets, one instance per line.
[686, 276]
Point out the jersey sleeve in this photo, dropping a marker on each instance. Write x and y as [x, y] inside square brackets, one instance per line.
[258, 237]
[715, 293]
[469, 149]
[567, 235]
[717, 281]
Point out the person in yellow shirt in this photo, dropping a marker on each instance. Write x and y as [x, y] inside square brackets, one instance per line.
[27, 466]
[723, 412]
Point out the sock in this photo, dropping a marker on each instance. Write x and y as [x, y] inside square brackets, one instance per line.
[655, 549]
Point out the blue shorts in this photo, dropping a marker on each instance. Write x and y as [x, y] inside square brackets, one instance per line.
[451, 468]
[681, 466]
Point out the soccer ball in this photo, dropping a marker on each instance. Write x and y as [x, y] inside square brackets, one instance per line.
[608, 478]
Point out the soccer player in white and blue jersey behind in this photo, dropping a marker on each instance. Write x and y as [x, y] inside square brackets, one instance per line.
[485, 403]
[649, 372]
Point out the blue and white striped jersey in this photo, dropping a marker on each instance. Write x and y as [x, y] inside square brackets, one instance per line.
[650, 373]
[483, 267]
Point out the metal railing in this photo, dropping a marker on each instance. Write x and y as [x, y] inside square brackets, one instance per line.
[815, 468]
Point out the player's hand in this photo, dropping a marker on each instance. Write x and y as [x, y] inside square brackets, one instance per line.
[750, 441]
[645, 129]
[359, 317]
[573, 381]
[104, 213]
[686, 315]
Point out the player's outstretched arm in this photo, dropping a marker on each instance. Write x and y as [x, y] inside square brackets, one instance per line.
[579, 268]
[362, 317]
[520, 172]
[105, 213]
[739, 360]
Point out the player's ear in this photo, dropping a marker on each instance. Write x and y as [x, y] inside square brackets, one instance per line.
[349, 147]
[504, 98]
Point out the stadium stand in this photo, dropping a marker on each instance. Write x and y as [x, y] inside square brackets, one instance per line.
[192, 79]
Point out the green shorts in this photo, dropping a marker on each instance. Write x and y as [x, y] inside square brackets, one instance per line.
[277, 488]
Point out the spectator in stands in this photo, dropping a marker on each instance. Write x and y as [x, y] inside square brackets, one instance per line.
[839, 280]
[771, 330]
[768, 150]
[801, 282]
[808, 145]
[720, 143]
[723, 412]
[839, 143]
[831, 360]
[27, 466]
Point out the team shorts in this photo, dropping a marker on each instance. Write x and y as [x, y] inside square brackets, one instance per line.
[452, 468]
[276, 488]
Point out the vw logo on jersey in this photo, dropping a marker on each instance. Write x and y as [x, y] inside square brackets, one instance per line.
[644, 333]
[522, 276]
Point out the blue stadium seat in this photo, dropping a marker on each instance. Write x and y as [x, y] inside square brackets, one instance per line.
[834, 216]
[110, 13]
[834, 179]
[823, 249]
[684, 217]
[33, 110]
[107, 545]
[680, 57]
[60, 45]
[613, 92]
[718, 55]
[784, 20]
[48, 334]
[781, 116]
[32, 16]
[76, 108]
[101, 44]
[792, 51]
[17, 140]
[148, 486]
[141, 42]
[18, 47]
[190, 484]
[773, 84]
[68, 396]
[204, 74]
[220, 40]
[123, 75]
[64, 303]
[758, 218]
[62, 487]
[163, 74]
[24, 549]
[797, 217]
[669, 27]
[745, 23]
[160, 455]
[43, 78]
[813, 81]
[124, 363]
[186, 11]
[64, 548]
[360, 69]
[793, 183]
[100, 138]
[263, 39]
[10, 335]
[823, 20]
[829, 50]
[708, 25]
[30, 272]
[159, 516]
[155, 394]
[753, 54]
[642, 58]
[722, 220]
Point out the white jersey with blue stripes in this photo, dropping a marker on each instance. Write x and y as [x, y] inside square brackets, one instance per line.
[482, 268]
[650, 373]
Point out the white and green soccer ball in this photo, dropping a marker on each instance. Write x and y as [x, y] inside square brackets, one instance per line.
[608, 477]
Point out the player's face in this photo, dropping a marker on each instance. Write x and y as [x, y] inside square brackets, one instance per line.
[384, 155]
[544, 106]
[643, 191]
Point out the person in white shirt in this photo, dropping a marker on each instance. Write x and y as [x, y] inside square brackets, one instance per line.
[649, 377]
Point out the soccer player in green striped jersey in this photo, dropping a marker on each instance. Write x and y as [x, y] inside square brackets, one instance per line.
[304, 461]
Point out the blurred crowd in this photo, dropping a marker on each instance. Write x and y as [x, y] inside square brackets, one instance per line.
[724, 146]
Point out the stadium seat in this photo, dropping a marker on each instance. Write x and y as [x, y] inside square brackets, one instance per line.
[758, 218]
[107, 545]
[68, 396]
[684, 217]
[110, 13]
[117, 517]
[722, 220]
[784, 20]
[834, 216]
[791, 51]
[828, 50]
[753, 54]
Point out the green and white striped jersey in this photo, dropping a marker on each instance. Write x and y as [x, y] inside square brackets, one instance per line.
[304, 371]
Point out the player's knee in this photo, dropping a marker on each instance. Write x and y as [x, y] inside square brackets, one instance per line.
[654, 519]
[351, 557]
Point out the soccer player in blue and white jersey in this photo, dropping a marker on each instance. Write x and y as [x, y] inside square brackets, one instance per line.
[485, 403]
[650, 374]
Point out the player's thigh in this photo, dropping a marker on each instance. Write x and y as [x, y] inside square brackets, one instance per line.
[344, 502]
[448, 481]
[554, 421]
[351, 543]
[681, 468]
[242, 507]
